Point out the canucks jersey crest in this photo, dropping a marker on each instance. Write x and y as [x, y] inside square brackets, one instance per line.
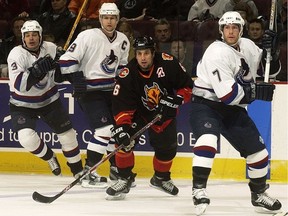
[109, 64]
[152, 96]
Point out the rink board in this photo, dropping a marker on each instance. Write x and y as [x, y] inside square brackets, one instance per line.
[270, 118]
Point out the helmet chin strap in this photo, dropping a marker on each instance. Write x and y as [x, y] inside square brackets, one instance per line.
[109, 32]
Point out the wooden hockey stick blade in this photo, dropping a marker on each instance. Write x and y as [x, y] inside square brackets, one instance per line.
[46, 199]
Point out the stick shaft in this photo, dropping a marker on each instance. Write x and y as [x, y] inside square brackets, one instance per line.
[45, 199]
[83, 7]
[271, 26]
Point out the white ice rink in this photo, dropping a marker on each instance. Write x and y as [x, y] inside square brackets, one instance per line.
[228, 198]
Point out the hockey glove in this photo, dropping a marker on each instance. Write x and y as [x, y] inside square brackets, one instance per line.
[59, 53]
[268, 39]
[121, 136]
[41, 67]
[168, 106]
[258, 91]
[79, 84]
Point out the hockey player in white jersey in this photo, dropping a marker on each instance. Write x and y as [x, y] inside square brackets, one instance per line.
[224, 87]
[34, 95]
[91, 64]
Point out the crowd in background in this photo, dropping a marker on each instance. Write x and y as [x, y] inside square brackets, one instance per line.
[183, 28]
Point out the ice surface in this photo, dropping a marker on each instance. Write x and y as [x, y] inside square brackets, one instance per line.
[228, 198]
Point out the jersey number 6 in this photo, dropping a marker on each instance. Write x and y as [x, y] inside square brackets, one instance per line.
[116, 89]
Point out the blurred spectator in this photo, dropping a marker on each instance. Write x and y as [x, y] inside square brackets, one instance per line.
[282, 76]
[132, 10]
[89, 24]
[162, 35]
[4, 27]
[283, 15]
[9, 43]
[127, 29]
[254, 10]
[255, 31]
[45, 5]
[91, 11]
[9, 10]
[13, 8]
[57, 22]
[179, 50]
[183, 8]
[203, 10]
[246, 13]
[159, 9]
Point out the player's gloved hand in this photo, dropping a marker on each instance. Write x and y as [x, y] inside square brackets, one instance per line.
[59, 52]
[168, 106]
[259, 91]
[264, 91]
[121, 136]
[41, 67]
[268, 39]
[79, 84]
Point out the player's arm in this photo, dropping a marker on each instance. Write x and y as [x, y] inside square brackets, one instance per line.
[123, 108]
[39, 70]
[270, 40]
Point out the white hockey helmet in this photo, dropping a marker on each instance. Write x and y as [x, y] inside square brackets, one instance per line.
[109, 9]
[31, 26]
[231, 17]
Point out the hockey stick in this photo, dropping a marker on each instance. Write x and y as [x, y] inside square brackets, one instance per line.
[75, 24]
[271, 25]
[45, 199]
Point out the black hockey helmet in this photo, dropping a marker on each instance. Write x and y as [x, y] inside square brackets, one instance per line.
[143, 42]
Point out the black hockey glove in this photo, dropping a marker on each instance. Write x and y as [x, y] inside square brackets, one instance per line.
[79, 84]
[268, 39]
[59, 52]
[41, 67]
[168, 106]
[122, 137]
[258, 91]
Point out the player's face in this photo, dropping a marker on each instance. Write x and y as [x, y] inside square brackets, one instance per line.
[231, 33]
[32, 40]
[144, 58]
[109, 22]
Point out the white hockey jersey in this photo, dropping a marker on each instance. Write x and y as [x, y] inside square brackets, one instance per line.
[216, 7]
[98, 56]
[42, 93]
[219, 66]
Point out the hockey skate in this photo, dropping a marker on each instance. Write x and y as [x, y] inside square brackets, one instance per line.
[200, 200]
[166, 186]
[114, 175]
[120, 188]
[93, 180]
[54, 165]
[264, 203]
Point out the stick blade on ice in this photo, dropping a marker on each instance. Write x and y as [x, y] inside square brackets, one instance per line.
[42, 199]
